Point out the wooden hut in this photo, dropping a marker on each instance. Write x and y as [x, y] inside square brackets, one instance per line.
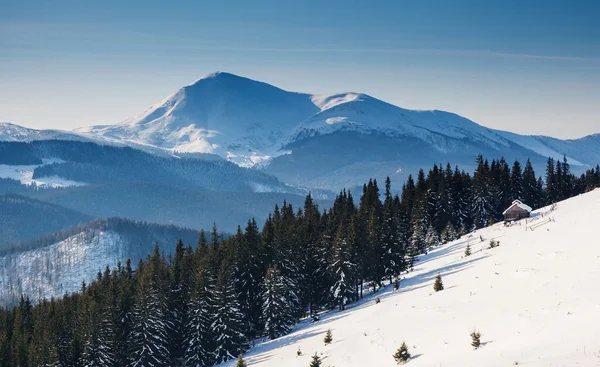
[516, 211]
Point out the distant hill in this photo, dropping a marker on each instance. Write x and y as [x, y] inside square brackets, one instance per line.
[23, 218]
[57, 263]
[171, 205]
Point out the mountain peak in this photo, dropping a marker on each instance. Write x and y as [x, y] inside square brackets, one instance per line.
[221, 76]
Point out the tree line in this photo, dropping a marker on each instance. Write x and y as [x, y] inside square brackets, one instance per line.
[204, 304]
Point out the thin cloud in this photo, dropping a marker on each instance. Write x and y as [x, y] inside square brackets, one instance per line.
[390, 51]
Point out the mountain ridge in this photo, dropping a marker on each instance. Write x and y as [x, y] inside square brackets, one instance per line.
[257, 125]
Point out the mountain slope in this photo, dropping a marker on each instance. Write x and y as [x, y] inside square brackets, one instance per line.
[220, 113]
[532, 298]
[23, 218]
[12, 132]
[169, 204]
[77, 163]
[56, 264]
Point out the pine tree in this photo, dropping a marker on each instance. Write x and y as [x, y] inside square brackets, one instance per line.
[516, 182]
[178, 298]
[227, 325]
[276, 309]
[468, 250]
[552, 184]
[99, 350]
[449, 234]
[198, 333]
[438, 285]
[431, 238]
[342, 270]
[315, 361]
[241, 362]
[482, 197]
[402, 355]
[531, 196]
[475, 339]
[328, 337]
[248, 272]
[151, 321]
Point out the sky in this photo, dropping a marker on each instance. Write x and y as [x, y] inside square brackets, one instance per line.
[531, 67]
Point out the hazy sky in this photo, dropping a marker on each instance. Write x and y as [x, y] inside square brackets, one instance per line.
[525, 66]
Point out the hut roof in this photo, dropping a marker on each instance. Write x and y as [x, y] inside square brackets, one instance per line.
[520, 205]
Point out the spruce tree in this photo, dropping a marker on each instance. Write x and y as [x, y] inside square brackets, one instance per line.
[315, 361]
[475, 339]
[178, 298]
[276, 309]
[150, 342]
[438, 285]
[199, 339]
[241, 362]
[402, 355]
[530, 194]
[328, 337]
[516, 182]
[482, 197]
[342, 269]
[431, 237]
[468, 250]
[227, 326]
[99, 350]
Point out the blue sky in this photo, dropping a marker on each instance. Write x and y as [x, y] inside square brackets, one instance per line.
[526, 66]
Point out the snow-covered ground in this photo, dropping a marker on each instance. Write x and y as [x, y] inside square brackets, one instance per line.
[534, 299]
[54, 270]
[24, 174]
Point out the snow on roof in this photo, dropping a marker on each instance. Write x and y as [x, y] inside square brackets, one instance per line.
[520, 205]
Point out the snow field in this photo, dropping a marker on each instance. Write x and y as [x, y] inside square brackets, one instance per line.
[534, 299]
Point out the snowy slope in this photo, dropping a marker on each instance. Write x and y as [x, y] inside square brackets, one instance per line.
[539, 144]
[237, 118]
[360, 112]
[60, 268]
[533, 299]
[24, 174]
[53, 265]
[12, 132]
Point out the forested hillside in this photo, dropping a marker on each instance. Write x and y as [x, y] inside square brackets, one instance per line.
[101, 164]
[203, 304]
[55, 264]
[23, 218]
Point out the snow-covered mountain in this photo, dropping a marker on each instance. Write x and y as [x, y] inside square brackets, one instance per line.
[290, 134]
[240, 119]
[12, 132]
[533, 300]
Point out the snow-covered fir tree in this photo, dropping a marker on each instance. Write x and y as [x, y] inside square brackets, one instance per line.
[228, 324]
[482, 208]
[432, 237]
[99, 350]
[276, 309]
[199, 339]
[342, 270]
[151, 318]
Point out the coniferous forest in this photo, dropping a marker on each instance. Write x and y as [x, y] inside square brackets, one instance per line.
[204, 304]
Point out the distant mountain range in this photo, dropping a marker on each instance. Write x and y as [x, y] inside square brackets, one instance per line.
[99, 181]
[315, 141]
